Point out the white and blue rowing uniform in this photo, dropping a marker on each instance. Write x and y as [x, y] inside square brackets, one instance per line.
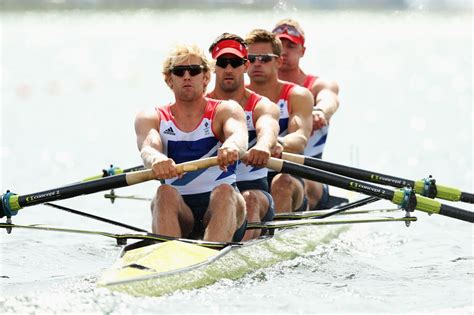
[317, 140]
[195, 187]
[182, 146]
[249, 173]
[315, 147]
[249, 177]
[283, 104]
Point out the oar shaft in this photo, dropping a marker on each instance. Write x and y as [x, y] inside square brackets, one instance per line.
[329, 178]
[420, 186]
[348, 171]
[114, 171]
[456, 213]
[17, 202]
[10, 205]
[467, 197]
[397, 197]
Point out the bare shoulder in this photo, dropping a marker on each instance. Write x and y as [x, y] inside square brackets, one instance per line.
[229, 107]
[266, 107]
[147, 116]
[265, 101]
[321, 84]
[301, 93]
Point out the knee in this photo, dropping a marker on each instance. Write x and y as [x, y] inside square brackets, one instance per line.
[281, 183]
[250, 198]
[167, 191]
[223, 191]
[165, 194]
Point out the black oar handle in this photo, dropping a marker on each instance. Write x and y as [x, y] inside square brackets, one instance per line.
[467, 197]
[456, 213]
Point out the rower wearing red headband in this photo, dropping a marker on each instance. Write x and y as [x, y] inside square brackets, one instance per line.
[231, 56]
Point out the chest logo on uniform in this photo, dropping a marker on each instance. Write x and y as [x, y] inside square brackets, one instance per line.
[249, 122]
[206, 128]
[282, 104]
[169, 131]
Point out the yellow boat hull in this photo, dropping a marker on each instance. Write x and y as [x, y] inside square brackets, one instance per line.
[164, 268]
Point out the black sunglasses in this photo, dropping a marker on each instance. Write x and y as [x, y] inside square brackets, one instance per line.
[234, 62]
[193, 70]
[264, 58]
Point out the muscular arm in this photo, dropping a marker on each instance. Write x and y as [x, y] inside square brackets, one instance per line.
[150, 145]
[266, 115]
[300, 120]
[326, 97]
[230, 127]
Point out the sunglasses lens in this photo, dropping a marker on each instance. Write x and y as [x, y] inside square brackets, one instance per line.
[222, 62]
[265, 58]
[194, 71]
[234, 62]
[262, 58]
[279, 30]
[290, 30]
[181, 70]
[178, 72]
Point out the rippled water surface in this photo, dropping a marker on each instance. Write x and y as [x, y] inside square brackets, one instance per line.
[73, 81]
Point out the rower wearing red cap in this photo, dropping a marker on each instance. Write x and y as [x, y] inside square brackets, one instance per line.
[326, 103]
[230, 53]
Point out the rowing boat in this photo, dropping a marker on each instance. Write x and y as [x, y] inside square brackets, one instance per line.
[158, 264]
[156, 268]
[161, 268]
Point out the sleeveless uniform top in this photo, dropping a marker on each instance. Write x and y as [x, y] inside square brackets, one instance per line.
[317, 141]
[200, 143]
[284, 107]
[249, 173]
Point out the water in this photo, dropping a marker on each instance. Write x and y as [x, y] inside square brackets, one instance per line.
[73, 81]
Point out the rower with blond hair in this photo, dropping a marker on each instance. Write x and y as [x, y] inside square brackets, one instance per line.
[200, 204]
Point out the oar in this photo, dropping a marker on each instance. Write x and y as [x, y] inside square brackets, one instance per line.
[404, 198]
[10, 203]
[121, 238]
[114, 170]
[294, 223]
[426, 187]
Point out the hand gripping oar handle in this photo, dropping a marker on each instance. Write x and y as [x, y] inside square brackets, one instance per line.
[146, 175]
[11, 203]
[426, 187]
[397, 197]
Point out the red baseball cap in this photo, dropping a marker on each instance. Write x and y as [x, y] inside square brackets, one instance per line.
[229, 46]
[289, 32]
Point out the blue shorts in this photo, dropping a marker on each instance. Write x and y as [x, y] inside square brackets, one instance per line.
[322, 204]
[304, 203]
[198, 203]
[260, 184]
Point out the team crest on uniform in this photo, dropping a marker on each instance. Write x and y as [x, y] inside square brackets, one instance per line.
[206, 128]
